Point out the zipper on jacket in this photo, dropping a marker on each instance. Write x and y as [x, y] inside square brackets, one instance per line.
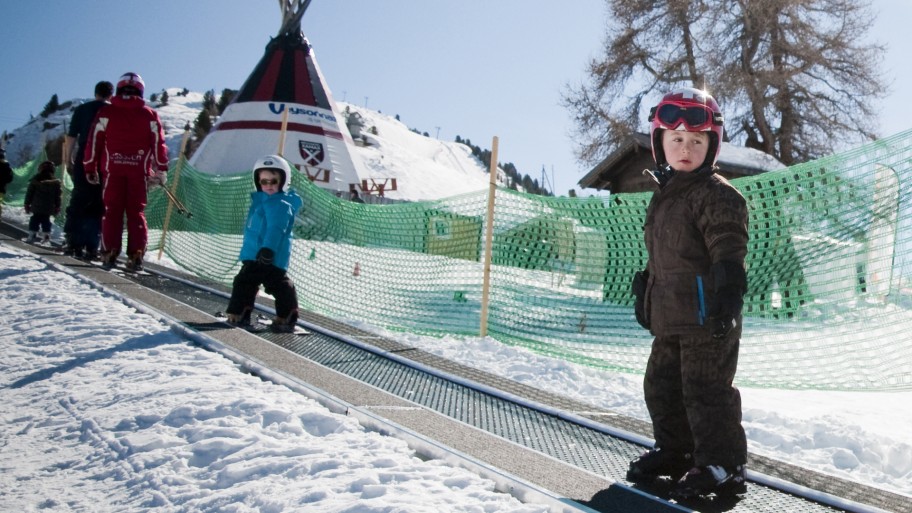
[701, 306]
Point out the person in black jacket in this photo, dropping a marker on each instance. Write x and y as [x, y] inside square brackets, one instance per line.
[690, 297]
[6, 176]
[42, 200]
[82, 228]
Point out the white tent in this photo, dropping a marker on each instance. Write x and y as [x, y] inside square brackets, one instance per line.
[286, 91]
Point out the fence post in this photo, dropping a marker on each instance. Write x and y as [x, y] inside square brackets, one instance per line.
[177, 170]
[489, 240]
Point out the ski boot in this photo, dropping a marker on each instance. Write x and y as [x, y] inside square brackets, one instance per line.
[68, 248]
[109, 260]
[711, 479]
[656, 463]
[280, 325]
[32, 237]
[135, 262]
[241, 320]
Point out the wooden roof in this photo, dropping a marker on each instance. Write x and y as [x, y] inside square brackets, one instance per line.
[622, 170]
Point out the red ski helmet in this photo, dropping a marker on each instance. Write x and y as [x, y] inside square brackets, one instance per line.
[131, 84]
[689, 110]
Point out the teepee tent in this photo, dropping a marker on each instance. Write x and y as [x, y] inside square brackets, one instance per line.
[286, 91]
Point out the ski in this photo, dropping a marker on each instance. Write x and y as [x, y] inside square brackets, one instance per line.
[119, 269]
[258, 326]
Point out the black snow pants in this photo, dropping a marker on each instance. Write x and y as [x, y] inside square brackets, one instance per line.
[693, 405]
[84, 212]
[275, 282]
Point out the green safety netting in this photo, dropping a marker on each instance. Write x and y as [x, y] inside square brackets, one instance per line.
[829, 302]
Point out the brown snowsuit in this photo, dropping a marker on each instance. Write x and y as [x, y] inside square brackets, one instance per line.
[695, 224]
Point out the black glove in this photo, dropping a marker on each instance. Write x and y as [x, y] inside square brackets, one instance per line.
[265, 256]
[724, 317]
[731, 282]
[638, 287]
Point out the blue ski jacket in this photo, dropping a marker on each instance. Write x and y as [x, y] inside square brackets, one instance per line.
[269, 223]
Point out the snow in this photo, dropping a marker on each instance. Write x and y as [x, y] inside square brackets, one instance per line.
[104, 408]
[424, 168]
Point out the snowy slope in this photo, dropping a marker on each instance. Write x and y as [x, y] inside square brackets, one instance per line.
[424, 168]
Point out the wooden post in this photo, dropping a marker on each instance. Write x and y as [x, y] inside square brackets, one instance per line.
[283, 131]
[177, 170]
[489, 241]
[64, 156]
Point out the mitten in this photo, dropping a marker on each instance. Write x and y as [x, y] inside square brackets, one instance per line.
[265, 256]
[28, 209]
[731, 282]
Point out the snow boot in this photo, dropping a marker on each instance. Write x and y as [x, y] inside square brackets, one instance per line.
[68, 248]
[109, 260]
[656, 463]
[711, 479]
[280, 325]
[241, 320]
[135, 262]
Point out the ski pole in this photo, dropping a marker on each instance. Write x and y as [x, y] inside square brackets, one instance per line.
[181, 209]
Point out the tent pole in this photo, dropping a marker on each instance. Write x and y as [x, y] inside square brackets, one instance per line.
[283, 131]
[180, 164]
[489, 240]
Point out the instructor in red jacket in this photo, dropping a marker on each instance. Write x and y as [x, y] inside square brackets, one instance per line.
[126, 152]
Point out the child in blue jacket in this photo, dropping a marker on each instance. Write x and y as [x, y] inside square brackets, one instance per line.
[266, 249]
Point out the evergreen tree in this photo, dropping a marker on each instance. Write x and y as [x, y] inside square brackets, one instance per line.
[528, 184]
[164, 98]
[201, 126]
[225, 99]
[209, 102]
[51, 106]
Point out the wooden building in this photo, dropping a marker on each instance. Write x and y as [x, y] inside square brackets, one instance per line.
[622, 170]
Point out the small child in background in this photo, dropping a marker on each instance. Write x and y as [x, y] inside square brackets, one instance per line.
[42, 200]
[6, 176]
[266, 249]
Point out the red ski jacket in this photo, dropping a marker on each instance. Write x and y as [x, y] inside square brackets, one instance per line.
[127, 136]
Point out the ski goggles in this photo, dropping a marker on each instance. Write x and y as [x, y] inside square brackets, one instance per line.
[696, 117]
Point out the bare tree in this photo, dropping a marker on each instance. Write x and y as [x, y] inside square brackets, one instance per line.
[793, 76]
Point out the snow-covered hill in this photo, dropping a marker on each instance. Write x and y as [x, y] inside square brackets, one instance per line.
[424, 168]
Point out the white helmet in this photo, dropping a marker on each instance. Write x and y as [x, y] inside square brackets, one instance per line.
[273, 163]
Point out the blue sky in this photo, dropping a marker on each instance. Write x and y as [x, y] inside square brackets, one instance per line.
[475, 68]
